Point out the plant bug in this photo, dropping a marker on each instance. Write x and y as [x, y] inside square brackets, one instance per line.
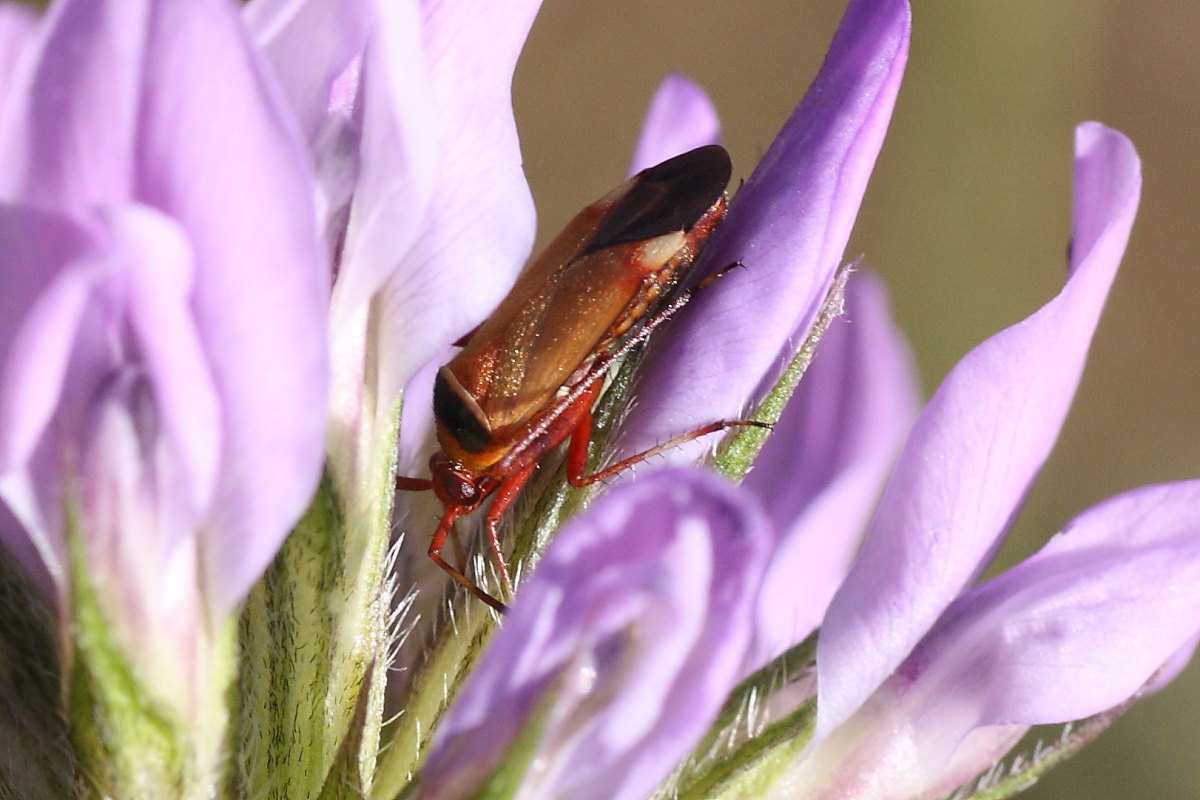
[526, 379]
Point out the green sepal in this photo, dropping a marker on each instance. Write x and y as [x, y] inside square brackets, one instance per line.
[506, 778]
[1024, 770]
[445, 664]
[350, 778]
[744, 752]
[311, 633]
[736, 456]
[130, 742]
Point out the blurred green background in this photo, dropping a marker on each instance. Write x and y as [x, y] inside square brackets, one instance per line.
[967, 218]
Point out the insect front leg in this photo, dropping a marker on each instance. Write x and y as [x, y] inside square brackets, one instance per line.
[413, 484]
[435, 553]
[505, 493]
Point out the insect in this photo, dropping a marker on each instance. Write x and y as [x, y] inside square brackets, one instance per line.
[526, 379]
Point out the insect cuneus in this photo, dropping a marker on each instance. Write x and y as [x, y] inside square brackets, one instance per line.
[527, 378]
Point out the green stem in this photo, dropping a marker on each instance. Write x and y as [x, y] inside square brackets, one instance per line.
[314, 645]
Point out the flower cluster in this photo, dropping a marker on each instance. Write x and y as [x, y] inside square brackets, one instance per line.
[233, 238]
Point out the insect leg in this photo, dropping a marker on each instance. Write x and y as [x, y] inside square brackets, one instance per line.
[435, 553]
[582, 435]
[505, 493]
[602, 362]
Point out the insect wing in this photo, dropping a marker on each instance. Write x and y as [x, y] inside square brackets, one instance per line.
[561, 329]
[589, 287]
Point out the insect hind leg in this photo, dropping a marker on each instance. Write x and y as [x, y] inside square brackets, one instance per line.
[581, 438]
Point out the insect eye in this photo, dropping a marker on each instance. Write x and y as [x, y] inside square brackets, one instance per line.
[450, 409]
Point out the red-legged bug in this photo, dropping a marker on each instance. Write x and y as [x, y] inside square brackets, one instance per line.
[528, 376]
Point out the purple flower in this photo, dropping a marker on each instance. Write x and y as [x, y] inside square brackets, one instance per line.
[789, 226]
[978, 445]
[651, 635]
[216, 218]
[407, 111]
[163, 370]
[924, 679]
[1079, 628]
[814, 176]
[821, 471]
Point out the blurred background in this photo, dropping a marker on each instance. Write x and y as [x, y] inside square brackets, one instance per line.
[967, 219]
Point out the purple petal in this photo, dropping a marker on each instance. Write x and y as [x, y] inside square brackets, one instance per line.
[160, 282]
[1174, 665]
[398, 156]
[95, 49]
[876, 755]
[356, 75]
[117, 306]
[176, 115]
[821, 471]
[129, 507]
[1082, 625]
[627, 638]
[42, 296]
[18, 24]
[789, 226]
[976, 448]
[261, 291]
[680, 118]
[480, 223]
[43, 289]
[55, 352]
[1075, 630]
[310, 44]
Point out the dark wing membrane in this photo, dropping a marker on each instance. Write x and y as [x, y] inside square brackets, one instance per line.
[671, 196]
[679, 191]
